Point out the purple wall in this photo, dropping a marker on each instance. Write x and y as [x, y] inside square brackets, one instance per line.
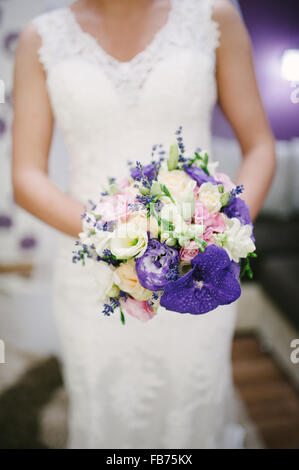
[273, 27]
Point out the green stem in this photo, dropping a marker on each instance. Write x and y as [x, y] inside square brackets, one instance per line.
[122, 316]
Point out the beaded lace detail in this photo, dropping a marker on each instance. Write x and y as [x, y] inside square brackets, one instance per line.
[189, 25]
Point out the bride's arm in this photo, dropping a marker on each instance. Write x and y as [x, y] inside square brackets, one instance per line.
[240, 100]
[32, 135]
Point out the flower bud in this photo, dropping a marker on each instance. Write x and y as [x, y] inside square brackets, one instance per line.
[156, 188]
[144, 191]
[224, 200]
[173, 159]
[170, 242]
[114, 291]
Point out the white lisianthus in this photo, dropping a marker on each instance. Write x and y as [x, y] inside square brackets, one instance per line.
[237, 239]
[210, 196]
[128, 241]
[103, 275]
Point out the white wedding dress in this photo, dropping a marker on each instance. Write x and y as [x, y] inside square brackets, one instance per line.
[166, 383]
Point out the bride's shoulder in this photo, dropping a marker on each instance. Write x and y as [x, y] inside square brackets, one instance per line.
[230, 23]
[224, 11]
[30, 38]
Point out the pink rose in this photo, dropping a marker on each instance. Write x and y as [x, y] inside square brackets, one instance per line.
[201, 213]
[203, 216]
[207, 235]
[189, 251]
[123, 184]
[138, 309]
[114, 207]
[225, 180]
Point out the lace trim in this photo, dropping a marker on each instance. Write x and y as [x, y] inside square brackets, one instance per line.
[189, 25]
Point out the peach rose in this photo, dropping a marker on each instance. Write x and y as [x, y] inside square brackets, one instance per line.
[125, 277]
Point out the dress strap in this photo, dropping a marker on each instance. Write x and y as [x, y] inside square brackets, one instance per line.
[55, 43]
[195, 26]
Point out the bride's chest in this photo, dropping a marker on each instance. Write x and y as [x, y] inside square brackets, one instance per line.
[83, 92]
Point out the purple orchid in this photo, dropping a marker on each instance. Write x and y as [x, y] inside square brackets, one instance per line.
[148, 170]
[154, 265]
[199, 175]
[212, 281]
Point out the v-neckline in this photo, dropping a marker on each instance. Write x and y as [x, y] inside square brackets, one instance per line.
[159, 33]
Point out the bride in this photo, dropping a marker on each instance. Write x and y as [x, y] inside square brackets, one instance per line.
[118, 76]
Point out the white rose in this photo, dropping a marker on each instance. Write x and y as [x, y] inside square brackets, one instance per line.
[237, 239]
[129, 240]
[148, 224]
[179, 184]
[210, 196]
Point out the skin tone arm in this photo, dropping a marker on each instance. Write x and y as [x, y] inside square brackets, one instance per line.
[32, 135]
[240, 101]
[33, 126]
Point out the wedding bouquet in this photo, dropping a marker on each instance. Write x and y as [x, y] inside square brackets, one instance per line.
[173, 234]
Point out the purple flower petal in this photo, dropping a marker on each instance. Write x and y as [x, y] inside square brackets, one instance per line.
[234, 269]
[199, 175]
[212, 259]
[154, 265]
[148, 170]
[185, 296]
[211, 282]
[238, 208]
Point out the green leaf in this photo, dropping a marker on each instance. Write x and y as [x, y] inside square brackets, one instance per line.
[246, 270]
[167, 193]
[200, 243]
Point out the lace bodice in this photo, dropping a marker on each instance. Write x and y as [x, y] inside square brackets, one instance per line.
[107, 107]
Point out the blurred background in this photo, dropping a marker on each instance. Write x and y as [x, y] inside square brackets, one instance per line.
[33, 403]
